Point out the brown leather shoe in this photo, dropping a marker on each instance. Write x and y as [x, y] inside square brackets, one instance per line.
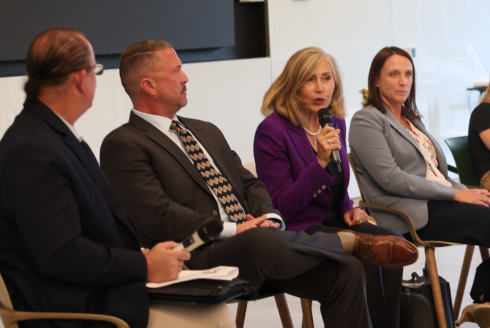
[384, 251]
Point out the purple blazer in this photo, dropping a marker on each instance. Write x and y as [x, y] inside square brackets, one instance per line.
[297, 184]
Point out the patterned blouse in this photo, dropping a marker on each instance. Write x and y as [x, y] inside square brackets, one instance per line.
[430, 155]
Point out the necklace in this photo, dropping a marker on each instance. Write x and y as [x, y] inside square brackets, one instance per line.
[313, 134]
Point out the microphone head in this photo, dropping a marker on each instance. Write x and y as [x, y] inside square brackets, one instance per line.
[324, 116]
[210, 230]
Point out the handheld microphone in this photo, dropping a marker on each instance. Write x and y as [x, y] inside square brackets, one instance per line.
[326, 120]
[208, 232]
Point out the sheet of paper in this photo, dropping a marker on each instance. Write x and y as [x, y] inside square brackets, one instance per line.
[217, 273]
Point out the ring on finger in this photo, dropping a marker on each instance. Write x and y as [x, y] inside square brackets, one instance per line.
[329, 142]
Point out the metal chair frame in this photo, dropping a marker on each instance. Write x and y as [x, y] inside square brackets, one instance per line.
[468, 176]
[429, 246]
[282, 307]
[10, 317]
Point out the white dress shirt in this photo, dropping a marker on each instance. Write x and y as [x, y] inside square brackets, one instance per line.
[72, 129]
[163, 124]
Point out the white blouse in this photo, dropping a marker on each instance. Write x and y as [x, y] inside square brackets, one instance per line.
[430, 155]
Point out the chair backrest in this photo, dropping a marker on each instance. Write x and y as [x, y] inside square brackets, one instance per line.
[464, 162]
[353, 166]
[251, 167]
[4, 295]
[413, 232]
[6, 304]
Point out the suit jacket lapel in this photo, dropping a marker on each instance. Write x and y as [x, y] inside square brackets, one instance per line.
[92, 166]
[165, 142]
[88, 160]
[301, 143]
[401, 129]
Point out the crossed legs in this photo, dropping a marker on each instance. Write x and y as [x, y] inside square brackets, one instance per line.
[308, 266]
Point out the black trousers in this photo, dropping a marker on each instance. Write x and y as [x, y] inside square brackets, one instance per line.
[314, 266]
[383, 286]
[461, 223]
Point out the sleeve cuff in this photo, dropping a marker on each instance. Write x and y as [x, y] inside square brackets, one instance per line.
[277, 218]
[229, 230]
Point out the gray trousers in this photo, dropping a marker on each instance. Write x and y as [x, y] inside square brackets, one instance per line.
[308, 266]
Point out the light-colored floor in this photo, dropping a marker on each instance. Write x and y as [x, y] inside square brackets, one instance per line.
[263, 313]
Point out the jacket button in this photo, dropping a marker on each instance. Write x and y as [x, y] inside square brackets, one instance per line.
[314, 195]
[324, 187]
[215, 213]
[319, 191]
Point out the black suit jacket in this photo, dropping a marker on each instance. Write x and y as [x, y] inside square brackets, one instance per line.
[162, 191]
[66, 244]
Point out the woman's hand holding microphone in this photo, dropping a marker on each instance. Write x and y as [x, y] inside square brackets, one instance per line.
[327, 140]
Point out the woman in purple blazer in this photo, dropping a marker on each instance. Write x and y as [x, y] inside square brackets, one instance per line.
[292, 154]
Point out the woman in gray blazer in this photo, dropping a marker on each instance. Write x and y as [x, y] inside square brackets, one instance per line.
[402, 166]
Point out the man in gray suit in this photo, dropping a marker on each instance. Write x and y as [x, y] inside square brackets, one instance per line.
[162, 167]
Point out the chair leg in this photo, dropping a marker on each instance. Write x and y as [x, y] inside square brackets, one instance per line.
[484, 253]
[282, 307]
[436, 287]
[240, 314]
[9, 319]
[307, 315]
[462, 279]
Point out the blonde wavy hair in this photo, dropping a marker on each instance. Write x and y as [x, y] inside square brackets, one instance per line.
[283, 98]
[486, 96]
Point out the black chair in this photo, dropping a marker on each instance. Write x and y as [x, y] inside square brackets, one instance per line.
[465, 167]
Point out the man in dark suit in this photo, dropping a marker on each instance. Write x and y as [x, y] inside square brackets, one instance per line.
[66, 244]
[172, 173]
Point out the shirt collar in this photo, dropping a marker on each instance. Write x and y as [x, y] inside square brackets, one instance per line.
[162, 123]
[72, 129]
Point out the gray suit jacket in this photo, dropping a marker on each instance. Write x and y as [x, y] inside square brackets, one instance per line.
[392, 169]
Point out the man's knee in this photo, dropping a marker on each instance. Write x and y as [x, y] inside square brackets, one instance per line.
[258, 240]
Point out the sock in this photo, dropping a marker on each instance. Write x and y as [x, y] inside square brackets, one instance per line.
[348, 240]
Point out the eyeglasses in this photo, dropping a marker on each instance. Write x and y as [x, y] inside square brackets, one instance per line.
[98, 69]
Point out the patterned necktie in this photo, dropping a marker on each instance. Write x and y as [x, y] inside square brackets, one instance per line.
[218, 183]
